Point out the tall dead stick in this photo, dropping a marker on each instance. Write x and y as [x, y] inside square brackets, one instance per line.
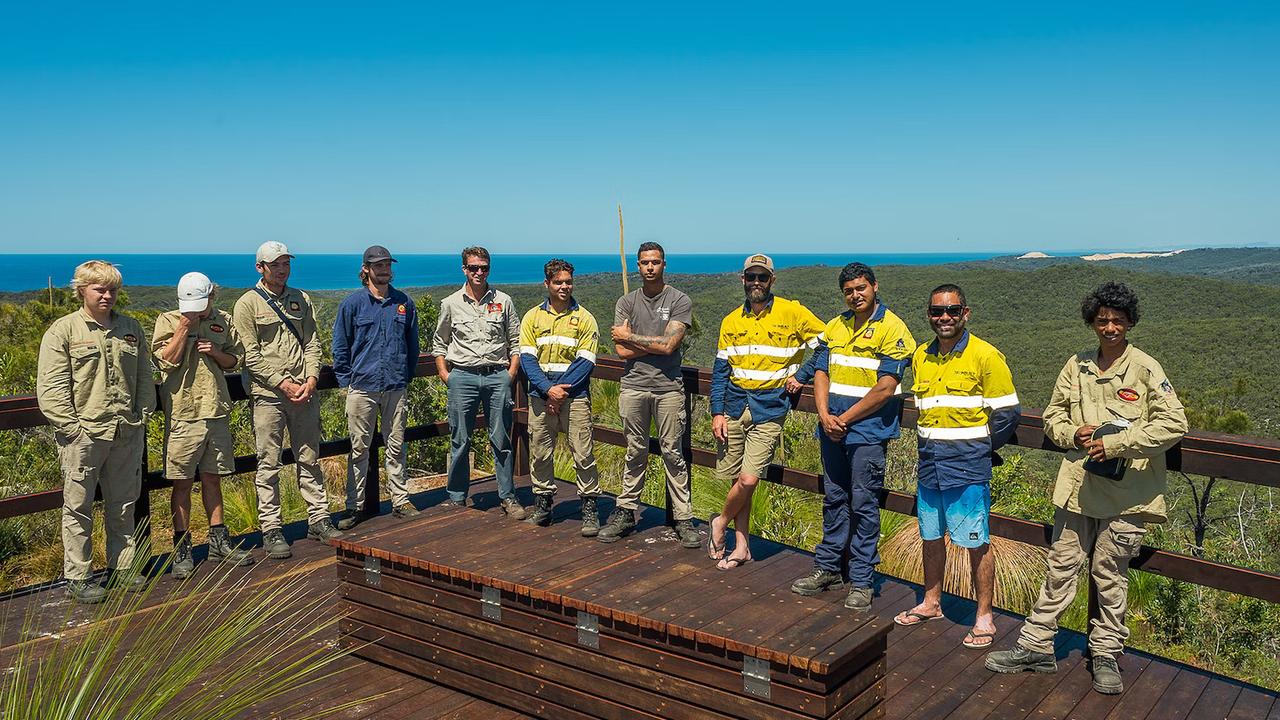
[622, 252]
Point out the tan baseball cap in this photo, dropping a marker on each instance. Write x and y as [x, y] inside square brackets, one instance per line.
[758, 260]
[272, 250]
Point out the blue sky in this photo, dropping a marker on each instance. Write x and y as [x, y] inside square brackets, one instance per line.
[204, 128]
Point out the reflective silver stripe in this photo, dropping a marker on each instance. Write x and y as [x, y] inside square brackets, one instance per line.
[555, 367]
[865, 363]
[785, 372]
[587, 355]
[949, 401]
[557, 340]
[856, 391]
[722, 355]
[1004, 401]
[954, 433]
[770, 350]
[529, 350]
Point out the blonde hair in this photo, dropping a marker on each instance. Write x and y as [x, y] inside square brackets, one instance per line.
[95, 272]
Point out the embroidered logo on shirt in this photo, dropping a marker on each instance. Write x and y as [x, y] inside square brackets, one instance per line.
[1166, 388]
[294, 306]
[1127, 394]
[901, 344]
[131, 339]
[216, 328]
[870, 331]
[573, 321]
[494, 307]
[974, 536]
[400, 309]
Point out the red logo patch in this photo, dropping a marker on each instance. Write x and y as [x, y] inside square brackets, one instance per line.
[400, 309]
[1127, 394]
[494, 307]
[217, 328]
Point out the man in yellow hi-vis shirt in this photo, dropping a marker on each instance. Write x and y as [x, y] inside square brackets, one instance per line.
[968, 410]
[558, 344]
[760, 349]
[94, 384]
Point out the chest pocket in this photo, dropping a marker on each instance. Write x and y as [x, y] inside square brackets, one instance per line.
[1124, 409]
[85, 359]
[126, 354]
[966, 385]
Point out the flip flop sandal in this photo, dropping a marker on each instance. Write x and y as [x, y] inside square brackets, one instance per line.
[714, 551]
[733, 563]
[920, 618]
[970, 640]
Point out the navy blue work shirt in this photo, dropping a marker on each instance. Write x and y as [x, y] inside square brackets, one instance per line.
[375, 342]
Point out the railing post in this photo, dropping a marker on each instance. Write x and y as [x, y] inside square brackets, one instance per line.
[372, 487]
[142, 506]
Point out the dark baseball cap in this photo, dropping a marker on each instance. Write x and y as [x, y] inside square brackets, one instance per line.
[377, 253]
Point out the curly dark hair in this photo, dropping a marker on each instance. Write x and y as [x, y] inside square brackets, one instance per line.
[1114, 295]
[556, 266]
[855, 270]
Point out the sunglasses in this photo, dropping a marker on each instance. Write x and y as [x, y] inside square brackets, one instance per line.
[756, 277]
[476, 268]
[938, 311]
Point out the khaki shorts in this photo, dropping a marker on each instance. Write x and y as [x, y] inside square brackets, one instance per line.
[750, 447]
[193, 446]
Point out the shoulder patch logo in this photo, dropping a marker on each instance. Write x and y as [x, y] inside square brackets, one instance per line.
[131, 339]
[1166, 388]
[294, 306]
[1127, 394]
[401, 309]
[901, 344]
[217, 328]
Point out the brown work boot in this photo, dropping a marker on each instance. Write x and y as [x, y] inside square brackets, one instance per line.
[514, 510]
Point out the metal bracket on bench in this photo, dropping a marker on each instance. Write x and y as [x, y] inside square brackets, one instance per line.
[372, 571]
[588, 630]
[755, 676]
[491, 603]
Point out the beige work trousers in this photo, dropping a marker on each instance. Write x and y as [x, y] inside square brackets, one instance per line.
[270, 419]
[1114, 542]
[640, 408]
[366, 409]
[114, 466]
[574, 419]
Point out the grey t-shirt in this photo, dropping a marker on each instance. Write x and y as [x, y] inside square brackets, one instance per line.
[649, 316]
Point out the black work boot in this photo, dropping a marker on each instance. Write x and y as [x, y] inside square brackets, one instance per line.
[1019, 659]
[1106, 675]
[183, 565]
[590, 517]
[621, 522]
[86, 592]
[541, 514]
[222, 549]
[323, 531]
[687, 536]
[275, 545]
[349, 519]
[817, 581]
[859, 598]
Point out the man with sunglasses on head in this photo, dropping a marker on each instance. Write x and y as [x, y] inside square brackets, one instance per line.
[375, 357]
[477, 349]
[968, 409]
[761, 345]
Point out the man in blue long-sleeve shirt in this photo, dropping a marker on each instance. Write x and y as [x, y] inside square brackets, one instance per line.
[558, 343]
[375, 355]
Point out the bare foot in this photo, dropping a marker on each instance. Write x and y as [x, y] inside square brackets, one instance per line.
[733, 562]
[715, 538]
[919, 614]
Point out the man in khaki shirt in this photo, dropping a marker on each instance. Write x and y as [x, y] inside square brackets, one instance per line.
[277, 326]
[94, 385]
[1117, 414]
[194, 346]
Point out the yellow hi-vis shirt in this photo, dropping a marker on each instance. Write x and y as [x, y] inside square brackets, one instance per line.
[757, 353]
[968, 409]
[855, 357]
[558, 348]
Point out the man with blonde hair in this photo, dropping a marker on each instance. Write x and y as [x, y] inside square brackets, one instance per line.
[94, 385]
[277, 325]
[194, 347]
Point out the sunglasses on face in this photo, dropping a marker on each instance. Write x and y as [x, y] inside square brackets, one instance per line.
[756, 277]
[938, 311]
[476, 268]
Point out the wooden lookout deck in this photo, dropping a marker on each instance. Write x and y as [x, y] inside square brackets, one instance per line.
[926, 672]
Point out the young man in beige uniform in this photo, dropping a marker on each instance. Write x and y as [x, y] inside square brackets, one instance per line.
[194, 347]
[94, 385]
[1116, 413]
[277, 325]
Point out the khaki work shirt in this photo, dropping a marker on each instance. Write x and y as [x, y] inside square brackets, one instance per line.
[477, 334]
[94, 378]
[271, 353]
[1134, 389]
[196, 387]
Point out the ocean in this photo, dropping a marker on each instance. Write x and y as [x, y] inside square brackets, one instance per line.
[336, 272]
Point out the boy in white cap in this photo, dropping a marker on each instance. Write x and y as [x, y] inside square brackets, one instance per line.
[194, 346]
[277, 325]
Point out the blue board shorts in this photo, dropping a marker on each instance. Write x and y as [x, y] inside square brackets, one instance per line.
[964, 512]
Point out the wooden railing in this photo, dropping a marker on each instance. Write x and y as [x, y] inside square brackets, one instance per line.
[1244, 459]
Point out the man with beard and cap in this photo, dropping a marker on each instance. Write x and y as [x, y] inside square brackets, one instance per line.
[760, 348]
[277, 325]
[194, 348]
[375, 356]
[968, 410]
[94, 385]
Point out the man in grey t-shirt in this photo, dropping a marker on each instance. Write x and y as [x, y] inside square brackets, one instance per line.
[650, 324]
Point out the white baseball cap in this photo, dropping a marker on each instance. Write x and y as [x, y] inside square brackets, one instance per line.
[194, 291]
[272, 250]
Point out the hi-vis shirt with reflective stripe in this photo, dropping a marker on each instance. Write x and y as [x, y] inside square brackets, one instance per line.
[757, 353]
[968, 409]
[855, 358]
[551, 344]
